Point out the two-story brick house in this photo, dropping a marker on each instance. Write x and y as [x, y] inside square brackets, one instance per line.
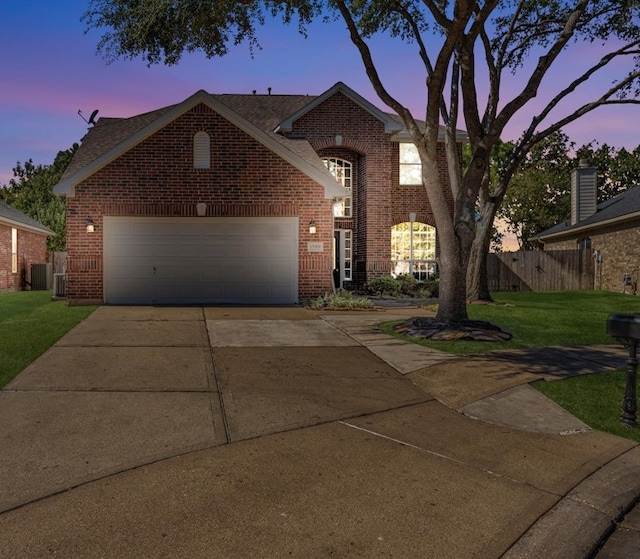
[257, 199]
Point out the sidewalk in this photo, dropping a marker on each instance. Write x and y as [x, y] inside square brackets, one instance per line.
[237, 432]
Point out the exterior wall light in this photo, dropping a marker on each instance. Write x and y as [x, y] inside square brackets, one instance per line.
[312, 227]
[90, 225]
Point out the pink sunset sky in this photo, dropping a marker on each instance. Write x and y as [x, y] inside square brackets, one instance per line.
[49, 70]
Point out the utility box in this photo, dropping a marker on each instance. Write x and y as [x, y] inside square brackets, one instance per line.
[41, 276]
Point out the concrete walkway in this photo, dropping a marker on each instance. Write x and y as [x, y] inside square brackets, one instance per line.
[279, 432]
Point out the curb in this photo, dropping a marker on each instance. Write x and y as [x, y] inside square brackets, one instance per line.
[576, 526]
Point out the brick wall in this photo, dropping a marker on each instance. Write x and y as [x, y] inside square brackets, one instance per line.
[157, 178]
[32, 249]
[379, 202]
[619, 246]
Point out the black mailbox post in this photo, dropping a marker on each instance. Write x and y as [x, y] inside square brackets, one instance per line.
[627, 328]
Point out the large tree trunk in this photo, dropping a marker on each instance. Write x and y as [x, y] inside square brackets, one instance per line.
[452, 302]
[477, 280]
[456, 239]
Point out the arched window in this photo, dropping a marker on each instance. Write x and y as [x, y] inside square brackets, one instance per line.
[201, 151]
[413, 251]
[342, 171]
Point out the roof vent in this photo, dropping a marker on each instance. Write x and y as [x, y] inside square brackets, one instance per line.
[584, 192]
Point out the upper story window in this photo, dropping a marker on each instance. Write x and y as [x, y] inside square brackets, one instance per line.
[410, 165]
[201, 151]
[342, 170]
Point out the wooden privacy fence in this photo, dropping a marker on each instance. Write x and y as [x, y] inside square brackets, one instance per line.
[553, 270]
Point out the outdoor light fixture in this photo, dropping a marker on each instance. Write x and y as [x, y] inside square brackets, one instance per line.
[90, 225]
[312, 227]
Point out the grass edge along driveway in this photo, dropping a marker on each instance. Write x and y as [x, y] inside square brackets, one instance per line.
[30, 323]
[559, 319]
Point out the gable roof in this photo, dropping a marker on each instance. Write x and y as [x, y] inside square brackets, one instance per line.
[107, 141]
[623, 207]
[15, 218]
[390, 124]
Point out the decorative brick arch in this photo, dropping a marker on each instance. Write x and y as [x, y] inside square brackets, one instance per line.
[339, 141]
[420, 218]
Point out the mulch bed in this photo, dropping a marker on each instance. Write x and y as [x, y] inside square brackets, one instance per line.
[471, 330]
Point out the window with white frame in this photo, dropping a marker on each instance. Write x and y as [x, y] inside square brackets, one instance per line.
[342, 171]
[410, 165]
[413, 250]
[14, 250]
[201, 151]
[347, 249]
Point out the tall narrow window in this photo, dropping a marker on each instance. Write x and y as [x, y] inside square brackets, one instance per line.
[410, 165]
[346, 254]
[342, 171]
[14, 250]
[201, 151]
[413, 252]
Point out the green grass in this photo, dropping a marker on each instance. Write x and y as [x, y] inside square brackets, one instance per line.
[541, 319]
[30, 322]
[594, 399]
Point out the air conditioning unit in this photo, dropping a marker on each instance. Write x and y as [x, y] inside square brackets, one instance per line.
[40, 277]
[59, 285]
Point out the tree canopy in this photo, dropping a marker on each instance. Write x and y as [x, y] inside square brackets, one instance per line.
[484, 62]
[539, 194]
[31, 191]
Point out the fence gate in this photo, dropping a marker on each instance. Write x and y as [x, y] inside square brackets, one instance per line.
[553, 270]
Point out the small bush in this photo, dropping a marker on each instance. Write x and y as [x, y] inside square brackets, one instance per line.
[404, 285]
[384, 285]
[431, 287]
[408, 285]
[341, 299]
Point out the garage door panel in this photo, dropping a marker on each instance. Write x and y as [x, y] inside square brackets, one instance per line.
[201, 260]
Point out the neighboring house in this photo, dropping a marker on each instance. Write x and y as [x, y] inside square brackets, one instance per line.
[23, 241]
[259, 199]
[610, 231]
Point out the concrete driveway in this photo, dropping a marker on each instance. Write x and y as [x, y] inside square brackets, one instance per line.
[273, 432]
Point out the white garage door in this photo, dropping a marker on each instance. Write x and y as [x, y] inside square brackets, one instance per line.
[200, 260]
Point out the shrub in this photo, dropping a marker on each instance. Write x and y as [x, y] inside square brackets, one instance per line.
[384, 285]
[341, 299]
[404, 285]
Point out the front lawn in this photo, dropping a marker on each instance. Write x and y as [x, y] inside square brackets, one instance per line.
[595, 399]
[30, 322]
[542, 319]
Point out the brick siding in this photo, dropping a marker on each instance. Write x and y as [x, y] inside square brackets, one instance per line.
[156, 178]
[32, 249]
[379, 202]
[619, 246]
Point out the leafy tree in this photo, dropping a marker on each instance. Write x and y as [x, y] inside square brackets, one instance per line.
[31, 191]
[618, 169]
[461, 44]
[539, 194]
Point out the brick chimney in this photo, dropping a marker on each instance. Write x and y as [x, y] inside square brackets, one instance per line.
[584, 192]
